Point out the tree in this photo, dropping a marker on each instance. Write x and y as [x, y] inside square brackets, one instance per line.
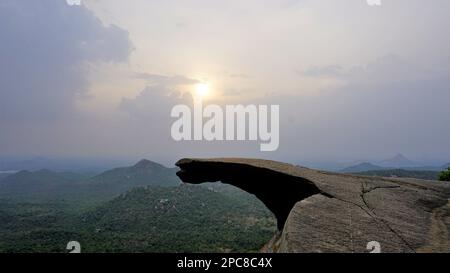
[445, 175]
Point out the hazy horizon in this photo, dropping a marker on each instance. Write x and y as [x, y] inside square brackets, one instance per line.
[99, 164]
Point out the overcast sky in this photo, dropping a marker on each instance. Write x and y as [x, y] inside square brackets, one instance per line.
[353, 81]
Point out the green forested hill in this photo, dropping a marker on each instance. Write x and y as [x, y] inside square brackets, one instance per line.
[152, 219]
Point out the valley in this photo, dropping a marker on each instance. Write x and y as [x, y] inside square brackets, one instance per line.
[142, 208]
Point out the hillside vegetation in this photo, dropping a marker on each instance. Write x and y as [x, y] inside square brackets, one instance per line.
[142, 208]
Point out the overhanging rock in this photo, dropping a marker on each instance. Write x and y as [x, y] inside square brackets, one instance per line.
[329, 212]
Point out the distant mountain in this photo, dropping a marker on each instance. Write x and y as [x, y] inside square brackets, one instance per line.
[46, 185]
[34, 164]
[445, 166]
[43, 184]
[418, 174]
[4, 174]
[362, 168]
[424, 172]
[398, 161]
[144, 173]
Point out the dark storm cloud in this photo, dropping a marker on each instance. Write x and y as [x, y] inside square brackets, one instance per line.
[43, 47]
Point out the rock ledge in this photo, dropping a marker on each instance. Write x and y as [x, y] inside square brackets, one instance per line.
[321, 211]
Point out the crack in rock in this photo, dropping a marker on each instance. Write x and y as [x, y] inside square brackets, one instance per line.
[365, 191]
[282, 187]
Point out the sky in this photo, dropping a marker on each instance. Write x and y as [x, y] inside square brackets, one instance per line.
[353, 81]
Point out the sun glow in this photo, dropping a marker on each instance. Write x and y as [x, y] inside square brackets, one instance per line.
[202, 90]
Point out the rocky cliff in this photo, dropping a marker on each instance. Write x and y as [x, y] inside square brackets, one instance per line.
[329, 212]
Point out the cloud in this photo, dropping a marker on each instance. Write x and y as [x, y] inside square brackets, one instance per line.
[239, 76]
[326, 71]
[154, 104]
[388, 68]
[387, 106]
[338, 103]
[156, 79]
[44, 45]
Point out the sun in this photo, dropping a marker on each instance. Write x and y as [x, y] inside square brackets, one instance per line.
[202, 90]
